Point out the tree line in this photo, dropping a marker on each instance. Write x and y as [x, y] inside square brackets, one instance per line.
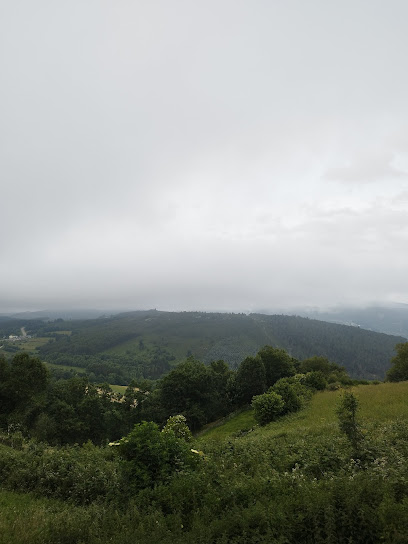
[75, 410]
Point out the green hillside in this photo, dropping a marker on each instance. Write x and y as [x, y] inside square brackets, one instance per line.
[148, 344]
[380, 404]
[297, 479]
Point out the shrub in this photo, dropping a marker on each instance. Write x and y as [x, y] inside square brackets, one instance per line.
[316, 380]
[178, 425]
[289, 393]
[151, 457]
[347, 415]
[267, 407]
[80, 475]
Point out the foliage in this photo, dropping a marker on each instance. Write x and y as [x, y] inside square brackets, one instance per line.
[250, 380]
[80, 475]
[267, 407]
[111, 347]
[291, 394]
[150, 457]
[399, 370]
[330, 372]
[178, 426]
[192, 389]
[23, 385]
[347, 415]
[278, 364]
[76, 410]
[291, 481]
[315, 380]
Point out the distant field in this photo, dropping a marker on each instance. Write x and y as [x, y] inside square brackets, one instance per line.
[377, 404]
[119, 388]
[31, 344]
[67, 333]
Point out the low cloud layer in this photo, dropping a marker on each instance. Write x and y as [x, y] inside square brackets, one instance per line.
[223, 155]
[377, 166]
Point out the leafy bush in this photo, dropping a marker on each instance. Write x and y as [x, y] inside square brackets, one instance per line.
[290, 393]
[347, 414]
[316, 380]
[150, 457]
[267, 407]
[78, 474]
[178, 425]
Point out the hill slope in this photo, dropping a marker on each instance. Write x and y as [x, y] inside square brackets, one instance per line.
[294, 480]
[378, 405]
[149, 343]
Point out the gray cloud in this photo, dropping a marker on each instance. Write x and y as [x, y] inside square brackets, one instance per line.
[177, 155]
[367, 168]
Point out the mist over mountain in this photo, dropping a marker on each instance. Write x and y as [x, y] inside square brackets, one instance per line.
[389, 319]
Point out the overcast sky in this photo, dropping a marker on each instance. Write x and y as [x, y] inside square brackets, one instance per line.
[211, 155]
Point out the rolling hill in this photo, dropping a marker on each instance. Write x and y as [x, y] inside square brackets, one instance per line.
[149, 343]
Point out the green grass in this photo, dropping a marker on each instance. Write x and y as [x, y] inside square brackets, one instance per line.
[25, 519]
[33, 343]
[229, 426]
[118, 388]
[380, 403]
[384, 402]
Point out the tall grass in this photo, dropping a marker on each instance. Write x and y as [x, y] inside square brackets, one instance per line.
[382, 403]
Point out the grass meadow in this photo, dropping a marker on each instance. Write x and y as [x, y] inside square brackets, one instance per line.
[118, 388]
[378, 404]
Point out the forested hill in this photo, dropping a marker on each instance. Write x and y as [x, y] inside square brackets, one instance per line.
[150, 343]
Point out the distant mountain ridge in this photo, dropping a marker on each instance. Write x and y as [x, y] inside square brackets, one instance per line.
[390, 319]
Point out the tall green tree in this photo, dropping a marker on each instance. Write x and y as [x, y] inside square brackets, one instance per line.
[250, 379]
[27, 380]
[278, 364]
[399, 369]
[6, 397]
[190, 390]
[28, 376]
